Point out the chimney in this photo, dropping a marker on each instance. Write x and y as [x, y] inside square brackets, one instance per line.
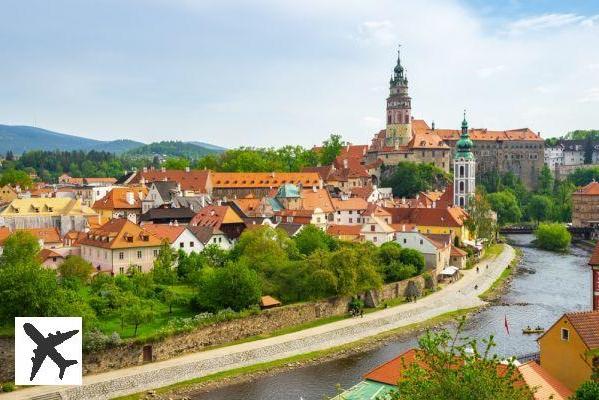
[186, 169]
[345, 163]
[272, 174]
[176, 223]
[434, 204]
[314, 189]
[129, 196]
[403, 228]
[145, 169]
[170, 223]
[403, 200]
[163, 169]
[433, 125]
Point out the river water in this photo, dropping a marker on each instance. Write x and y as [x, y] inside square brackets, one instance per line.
[560, 283]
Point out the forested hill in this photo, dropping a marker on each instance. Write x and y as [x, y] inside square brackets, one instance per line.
[175, 149]
[20, 139]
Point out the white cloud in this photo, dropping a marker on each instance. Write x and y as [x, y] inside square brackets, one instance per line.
[550, 21]
[377, 32]
[487, 72]
[591, 96]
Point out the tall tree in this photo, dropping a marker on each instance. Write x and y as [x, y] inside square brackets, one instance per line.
[546, 181]
[331, 149]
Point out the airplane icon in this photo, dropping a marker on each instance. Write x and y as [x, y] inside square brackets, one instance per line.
[46, 347]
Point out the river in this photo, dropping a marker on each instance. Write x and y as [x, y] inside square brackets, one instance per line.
[560, 283]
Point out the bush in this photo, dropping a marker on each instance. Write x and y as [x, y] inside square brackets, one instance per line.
[429, 281]
[552, 236]
[397, 271]
[587, 391]
[8, 387]
[413, 257]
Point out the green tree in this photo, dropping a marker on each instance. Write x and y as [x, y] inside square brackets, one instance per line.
[311, 238]
[264, 248]
[546, 181]
[408, 179]
[589, 390]
[540, 208]
[389, 252]
[176, 163]
[164, 265]
[553, 236]
[15, 177]
[233, 286]
[21, 247]
[506, 206]
[398, 271]
[75, 268]
[446, 369]
[170, 298]
[331, 148]
[138, 313]
[413, 257]
[481, 222]
[413, 291]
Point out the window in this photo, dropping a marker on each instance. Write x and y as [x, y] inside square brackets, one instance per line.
[374, 239]
[421, 241]
[191, 244]
[138, 253]
[155, 253]
[121, 255]
[213, 240]
[181, 244]
[121, 270]
[372, 228]
[220, 239]
[405, 240]
[565, 334]
[351, 220]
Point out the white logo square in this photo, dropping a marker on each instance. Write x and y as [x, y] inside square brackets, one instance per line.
[48, 351]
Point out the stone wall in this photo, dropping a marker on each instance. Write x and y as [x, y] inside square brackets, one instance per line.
[267, 321]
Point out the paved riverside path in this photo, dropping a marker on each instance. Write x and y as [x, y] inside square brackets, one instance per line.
[455, 296]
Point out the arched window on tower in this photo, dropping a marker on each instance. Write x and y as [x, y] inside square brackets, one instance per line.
[461, 171]
[461, 202]
[461, 186]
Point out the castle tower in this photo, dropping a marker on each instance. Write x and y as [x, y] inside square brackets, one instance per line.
[399, 107]
[464, 168]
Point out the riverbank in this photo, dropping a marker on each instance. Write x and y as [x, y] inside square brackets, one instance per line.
[182, 390]
[462, 294]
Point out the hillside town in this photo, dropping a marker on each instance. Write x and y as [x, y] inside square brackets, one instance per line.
[220, 251]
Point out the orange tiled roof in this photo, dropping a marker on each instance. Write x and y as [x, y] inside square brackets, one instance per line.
[446, 217]
[363, 192]
[547, 387]
[165, 232]
[319, 198]
[215, 216]
[44, 254]
[4, 234]
[48, 235]
[391, 372]
[420, 126]
[344, 230]
[116, 199]
[120, 233]
[592, 189]
[586, 324]
[457, 252]
[75, 237]
[99, 180]
[193, 180]
[353, 203]
[269, 301]
[263, 179]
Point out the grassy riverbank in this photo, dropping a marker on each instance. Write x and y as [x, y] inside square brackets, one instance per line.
[497, 288]
[250, 372]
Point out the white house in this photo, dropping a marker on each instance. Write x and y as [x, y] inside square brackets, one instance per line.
[348, 210]
[436, 249]
[178, 236]
[208, 235]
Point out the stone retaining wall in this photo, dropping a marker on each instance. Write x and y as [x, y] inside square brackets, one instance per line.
[267, 321]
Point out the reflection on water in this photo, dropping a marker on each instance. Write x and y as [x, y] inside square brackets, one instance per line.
[560, 283]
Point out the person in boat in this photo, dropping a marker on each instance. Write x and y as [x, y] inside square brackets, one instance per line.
[528, 328]
[538, 328]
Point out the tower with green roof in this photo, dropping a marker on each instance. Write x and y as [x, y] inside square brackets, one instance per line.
[464, 168]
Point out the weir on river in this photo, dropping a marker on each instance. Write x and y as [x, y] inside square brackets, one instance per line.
[561, 283]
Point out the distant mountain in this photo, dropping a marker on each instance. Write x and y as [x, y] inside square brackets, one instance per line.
[209, 146]
[25, 138]
[174, 149]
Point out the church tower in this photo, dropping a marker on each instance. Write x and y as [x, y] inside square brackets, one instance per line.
[399, 107]
[464, 168]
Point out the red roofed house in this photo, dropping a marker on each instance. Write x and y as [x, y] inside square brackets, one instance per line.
[220, 218]
[121, 202]
[350, 233]
[569, 348]
[449, 220]
[118, 245]
[190, 181]
[178, 236]
[436, 249]
[585, 206]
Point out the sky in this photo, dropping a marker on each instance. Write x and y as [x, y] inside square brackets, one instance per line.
[277, 72]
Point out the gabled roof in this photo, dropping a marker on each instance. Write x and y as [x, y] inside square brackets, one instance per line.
[44, 254]
[204, 233]
[118, 198]
[391, 372]
[344, 230]
[216, 216]
[457, 252]
[592, 189]
[120, 233]
[547, 387]
[290, 228]
[47, 206]
[352, 203]
[165, 188]
[48, 235]
[586, 324]
[446, 217]
[318, 198]
[165, 232]
[192, 180]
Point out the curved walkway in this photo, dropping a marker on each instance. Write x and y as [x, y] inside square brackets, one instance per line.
[458, 295]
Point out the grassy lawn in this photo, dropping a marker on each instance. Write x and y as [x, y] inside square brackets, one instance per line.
[493, 251]
[496, 287]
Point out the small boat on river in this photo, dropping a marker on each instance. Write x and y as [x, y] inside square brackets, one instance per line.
[531, 331]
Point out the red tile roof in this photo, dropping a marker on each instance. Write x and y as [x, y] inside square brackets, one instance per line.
[48, 235]
[391, 372]
[344, 230]
[117, 199]
[420, 126]
[547, 387]
[586, 324]
[118, 234]
[215, 216]
[446, 217]
[263, 179]
[592, 189]
[165, 232]
[193, 180]
[44, 254]
[457, 252]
